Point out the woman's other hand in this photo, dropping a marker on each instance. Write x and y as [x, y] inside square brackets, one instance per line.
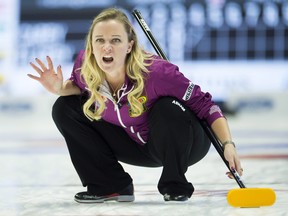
[51, 80]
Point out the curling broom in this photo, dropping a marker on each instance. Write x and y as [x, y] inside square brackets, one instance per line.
[243, 197]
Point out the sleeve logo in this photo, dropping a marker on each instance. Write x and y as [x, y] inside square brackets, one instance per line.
[188, 92]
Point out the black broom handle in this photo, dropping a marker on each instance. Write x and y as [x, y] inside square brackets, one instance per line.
[149, 34]
[206, 127]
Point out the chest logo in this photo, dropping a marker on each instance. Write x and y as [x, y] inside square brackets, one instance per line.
[142, 100]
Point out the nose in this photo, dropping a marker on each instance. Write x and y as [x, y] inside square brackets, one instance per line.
[107, 47]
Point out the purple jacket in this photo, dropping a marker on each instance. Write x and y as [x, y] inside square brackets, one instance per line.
[164, 79]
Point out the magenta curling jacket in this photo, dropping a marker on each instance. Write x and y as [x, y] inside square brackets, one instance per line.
[164, 79]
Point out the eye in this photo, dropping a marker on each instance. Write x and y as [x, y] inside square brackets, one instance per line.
[99, 40]
[116, 40]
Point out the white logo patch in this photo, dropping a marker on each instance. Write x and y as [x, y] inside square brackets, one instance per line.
[188, 92]
[178, 104]
[214, 109]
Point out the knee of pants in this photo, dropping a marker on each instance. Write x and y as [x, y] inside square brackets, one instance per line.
[58, 108]
[63, 107]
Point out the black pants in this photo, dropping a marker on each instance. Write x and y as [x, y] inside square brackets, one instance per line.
[176, 141]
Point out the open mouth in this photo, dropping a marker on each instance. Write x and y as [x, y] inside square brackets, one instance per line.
[107, 59]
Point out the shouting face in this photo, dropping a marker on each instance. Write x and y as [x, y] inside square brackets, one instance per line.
[110, 46]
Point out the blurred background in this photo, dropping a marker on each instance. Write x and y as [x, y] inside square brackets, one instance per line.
[236, 50]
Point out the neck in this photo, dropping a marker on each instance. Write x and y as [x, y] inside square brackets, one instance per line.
[115, 82]
[114, 86]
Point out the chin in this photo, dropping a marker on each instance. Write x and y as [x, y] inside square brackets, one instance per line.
[106, 68]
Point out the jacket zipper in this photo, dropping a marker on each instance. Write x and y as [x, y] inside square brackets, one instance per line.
[116, 108]
[138, 135]
[118, 114]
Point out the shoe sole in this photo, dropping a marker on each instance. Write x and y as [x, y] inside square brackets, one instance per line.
[122, 198]
[180, 198]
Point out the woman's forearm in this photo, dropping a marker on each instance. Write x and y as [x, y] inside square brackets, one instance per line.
[222, 131]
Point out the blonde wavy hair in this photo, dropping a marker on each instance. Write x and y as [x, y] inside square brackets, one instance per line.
[136, 68]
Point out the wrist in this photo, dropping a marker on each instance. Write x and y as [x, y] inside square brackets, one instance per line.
[228, 142]
[59, 92]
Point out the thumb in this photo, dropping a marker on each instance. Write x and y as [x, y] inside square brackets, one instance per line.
[232, 165]
[230, 162]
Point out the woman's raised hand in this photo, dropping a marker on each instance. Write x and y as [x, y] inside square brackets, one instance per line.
[51, 80]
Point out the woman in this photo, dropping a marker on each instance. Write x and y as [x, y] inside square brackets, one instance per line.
[124, 104]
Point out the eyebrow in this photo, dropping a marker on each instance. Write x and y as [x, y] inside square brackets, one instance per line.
[112, 35]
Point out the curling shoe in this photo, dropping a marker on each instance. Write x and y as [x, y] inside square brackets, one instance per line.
[170, 197]
[125, 195]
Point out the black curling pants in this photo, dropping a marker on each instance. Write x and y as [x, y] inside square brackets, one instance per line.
[176, 141]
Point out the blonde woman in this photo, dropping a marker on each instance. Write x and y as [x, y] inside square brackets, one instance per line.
[124, 104]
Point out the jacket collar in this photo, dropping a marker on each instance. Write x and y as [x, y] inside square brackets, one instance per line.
[125, 89]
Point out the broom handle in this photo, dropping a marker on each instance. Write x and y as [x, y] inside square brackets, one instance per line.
[206, 127]
[149, 34]
[220, 150]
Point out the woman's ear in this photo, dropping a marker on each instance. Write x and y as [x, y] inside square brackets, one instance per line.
[130, 46]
